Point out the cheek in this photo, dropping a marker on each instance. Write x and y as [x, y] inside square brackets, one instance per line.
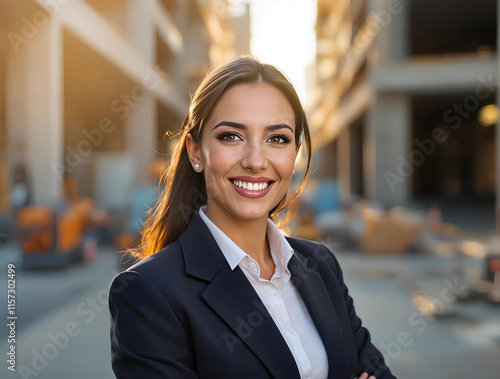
[218, 160]
[285, 163]
[212, 172]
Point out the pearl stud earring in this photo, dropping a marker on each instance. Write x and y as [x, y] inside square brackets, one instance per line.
[197, 167]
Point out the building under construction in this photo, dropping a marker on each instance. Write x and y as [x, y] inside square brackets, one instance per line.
[404, 107]
[89, 90]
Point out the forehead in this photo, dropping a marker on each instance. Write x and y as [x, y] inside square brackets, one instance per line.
[253, 104]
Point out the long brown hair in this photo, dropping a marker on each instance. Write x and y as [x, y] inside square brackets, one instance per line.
[183, 188]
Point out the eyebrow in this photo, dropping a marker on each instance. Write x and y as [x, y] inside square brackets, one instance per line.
[237, 125]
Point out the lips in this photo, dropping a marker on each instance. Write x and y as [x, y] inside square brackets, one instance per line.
[251, 183]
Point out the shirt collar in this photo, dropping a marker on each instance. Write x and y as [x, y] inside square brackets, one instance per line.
[281, 250]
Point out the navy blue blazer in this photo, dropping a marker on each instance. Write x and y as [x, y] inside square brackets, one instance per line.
[183, 313]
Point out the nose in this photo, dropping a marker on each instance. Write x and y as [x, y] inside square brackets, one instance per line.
[255, 158]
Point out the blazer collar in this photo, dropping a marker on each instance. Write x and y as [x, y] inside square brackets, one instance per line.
[202, 255]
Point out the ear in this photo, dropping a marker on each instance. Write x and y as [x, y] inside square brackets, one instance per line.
[194, 152]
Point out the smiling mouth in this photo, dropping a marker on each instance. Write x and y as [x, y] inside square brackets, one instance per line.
[251, 186]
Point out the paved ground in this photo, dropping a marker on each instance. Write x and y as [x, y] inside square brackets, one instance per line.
[67, 306]
[465, 345]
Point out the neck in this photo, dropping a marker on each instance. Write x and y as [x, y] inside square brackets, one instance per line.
[248, 235]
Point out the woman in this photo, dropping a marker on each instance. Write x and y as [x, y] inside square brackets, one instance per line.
[220, 292]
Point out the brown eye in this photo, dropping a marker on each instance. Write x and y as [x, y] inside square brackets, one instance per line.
[228, 137]
[279, 139]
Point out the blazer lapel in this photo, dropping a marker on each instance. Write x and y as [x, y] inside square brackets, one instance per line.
[232, 297]
[317, 300]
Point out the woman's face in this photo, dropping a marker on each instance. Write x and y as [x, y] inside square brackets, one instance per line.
[247, 152]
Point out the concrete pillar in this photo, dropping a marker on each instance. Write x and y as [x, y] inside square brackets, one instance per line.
[399, 29]
[389, 164]
[141, 124]
[392, 25]
[141, 136]
[344, 165]
[140, 28]
[34, 111]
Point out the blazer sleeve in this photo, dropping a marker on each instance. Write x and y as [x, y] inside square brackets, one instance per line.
[370, 359]
[147, 338]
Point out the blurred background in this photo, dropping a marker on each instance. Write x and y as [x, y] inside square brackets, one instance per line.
[402, 103]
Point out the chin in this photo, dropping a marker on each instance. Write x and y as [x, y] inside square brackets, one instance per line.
[251, 212]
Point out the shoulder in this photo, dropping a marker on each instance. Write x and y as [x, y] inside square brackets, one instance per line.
[310, 248]
[305, 246]
[163, 262]
[163, 270]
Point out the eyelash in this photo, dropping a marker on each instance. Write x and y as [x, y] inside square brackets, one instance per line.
[222, 137]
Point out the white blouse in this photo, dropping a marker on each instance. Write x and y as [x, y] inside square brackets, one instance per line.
[280, 297]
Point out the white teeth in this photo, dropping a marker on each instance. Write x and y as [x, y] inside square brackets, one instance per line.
[250, 186]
